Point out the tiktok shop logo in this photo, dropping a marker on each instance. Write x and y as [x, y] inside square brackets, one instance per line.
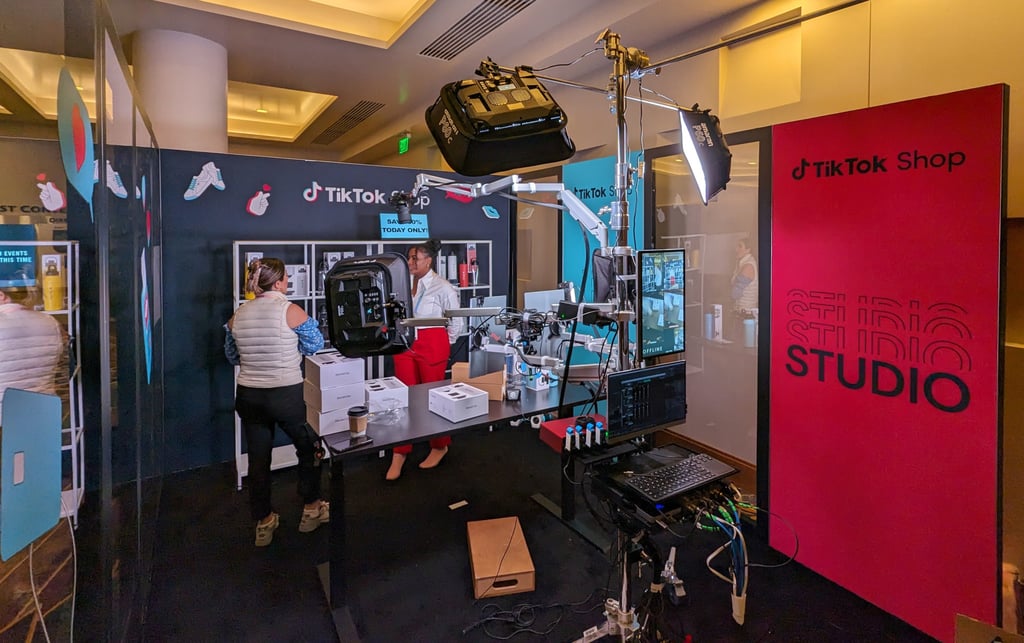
[876, 164]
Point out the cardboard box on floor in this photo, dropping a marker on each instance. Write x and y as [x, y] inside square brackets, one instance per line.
[493, 383]
[498, 557]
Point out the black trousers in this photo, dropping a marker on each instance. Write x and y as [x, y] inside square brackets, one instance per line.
[261, 409]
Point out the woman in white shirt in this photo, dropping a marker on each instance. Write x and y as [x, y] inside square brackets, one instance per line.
[427, 358]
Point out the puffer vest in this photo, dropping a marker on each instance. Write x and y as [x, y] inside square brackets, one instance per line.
[268, 347]
[30, 348]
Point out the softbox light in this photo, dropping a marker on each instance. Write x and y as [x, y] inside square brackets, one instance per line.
[366, 299]
[500, 122]
[705, 151]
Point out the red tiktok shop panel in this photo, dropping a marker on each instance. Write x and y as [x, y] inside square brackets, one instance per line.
[884, 417]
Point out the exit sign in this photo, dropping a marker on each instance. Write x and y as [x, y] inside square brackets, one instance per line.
[403, 145]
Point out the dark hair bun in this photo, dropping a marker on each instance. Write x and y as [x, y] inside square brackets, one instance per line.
[433, 246]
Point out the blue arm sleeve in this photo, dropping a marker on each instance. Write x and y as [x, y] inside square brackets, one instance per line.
[740, 285]
[230, 348]
[310, 339]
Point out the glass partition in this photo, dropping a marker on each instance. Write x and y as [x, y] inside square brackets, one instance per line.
[724, 279]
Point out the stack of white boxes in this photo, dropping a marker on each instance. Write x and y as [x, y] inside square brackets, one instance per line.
[333, 385]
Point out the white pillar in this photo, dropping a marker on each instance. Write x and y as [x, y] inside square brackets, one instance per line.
[183, 83]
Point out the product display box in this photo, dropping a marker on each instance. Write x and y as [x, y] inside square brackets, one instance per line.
[298, 279]
[457, 402]
[386, 393]
[499, 558]
[330, 369]
[493, 383]
[329, 422]
[334, 398]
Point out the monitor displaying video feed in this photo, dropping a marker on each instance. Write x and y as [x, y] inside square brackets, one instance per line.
[661, 328]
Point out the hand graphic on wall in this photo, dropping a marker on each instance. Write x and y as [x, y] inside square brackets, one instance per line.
[50, 195]
[259, 202]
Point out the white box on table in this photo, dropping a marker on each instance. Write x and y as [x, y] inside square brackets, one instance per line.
[329, 422]
[457, 402]
[334, 398]
[386, 393]
[330, 369]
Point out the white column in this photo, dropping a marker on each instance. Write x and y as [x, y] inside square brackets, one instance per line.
[183, 82]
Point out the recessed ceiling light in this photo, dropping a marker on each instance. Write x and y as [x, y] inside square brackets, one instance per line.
[261, 110]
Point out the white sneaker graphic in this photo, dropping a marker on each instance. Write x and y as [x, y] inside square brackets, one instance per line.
[114, 181]
[257, 205]
[209, 175]
[50, 195]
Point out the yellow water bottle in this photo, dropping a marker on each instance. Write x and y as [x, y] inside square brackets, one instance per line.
[248, 294]
[53, 287]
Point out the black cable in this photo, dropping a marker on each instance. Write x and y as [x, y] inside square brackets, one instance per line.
[563, 384]
[602, 374]
[796, 540]
[568, 64]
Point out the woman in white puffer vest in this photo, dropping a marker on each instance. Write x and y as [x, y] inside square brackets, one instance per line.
[31, 344]
[266, 339]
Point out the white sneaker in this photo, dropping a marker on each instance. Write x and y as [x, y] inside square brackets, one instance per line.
[208, 175]
[215, 177]
[115, 183]
[313, 519]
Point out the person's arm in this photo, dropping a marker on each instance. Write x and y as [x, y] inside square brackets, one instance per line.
[230, 347]
[310, 338]
[456, 325]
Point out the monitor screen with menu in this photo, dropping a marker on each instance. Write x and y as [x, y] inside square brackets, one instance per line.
[645, 400]
[661, 329]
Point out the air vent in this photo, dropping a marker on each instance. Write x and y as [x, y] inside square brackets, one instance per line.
[348, 121]
[485, 18]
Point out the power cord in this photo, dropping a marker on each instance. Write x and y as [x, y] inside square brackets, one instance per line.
[74, 578]
[522, 618]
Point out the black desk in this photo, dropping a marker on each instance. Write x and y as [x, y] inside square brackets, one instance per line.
[417, 425]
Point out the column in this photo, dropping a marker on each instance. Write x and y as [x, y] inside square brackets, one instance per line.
[183, 82]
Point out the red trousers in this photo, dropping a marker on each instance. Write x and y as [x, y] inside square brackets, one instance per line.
[424, 362]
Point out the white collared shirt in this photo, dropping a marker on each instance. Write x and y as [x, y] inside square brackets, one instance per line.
[434, 296]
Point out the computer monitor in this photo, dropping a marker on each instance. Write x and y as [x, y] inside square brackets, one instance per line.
[645, 400]
[661, 302]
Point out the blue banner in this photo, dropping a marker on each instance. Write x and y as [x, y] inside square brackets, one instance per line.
[390, 228]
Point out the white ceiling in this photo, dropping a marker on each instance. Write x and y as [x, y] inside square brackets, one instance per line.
[546, 32]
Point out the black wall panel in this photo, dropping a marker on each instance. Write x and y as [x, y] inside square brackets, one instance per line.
[198, 235]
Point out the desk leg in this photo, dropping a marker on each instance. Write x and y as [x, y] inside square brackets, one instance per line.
[584, 526]
[334, 573]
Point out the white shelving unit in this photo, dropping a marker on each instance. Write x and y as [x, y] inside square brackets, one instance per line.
[311, 254]
[72, 433]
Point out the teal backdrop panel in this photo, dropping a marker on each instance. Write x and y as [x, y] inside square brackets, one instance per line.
[593, 182]
[29, 468]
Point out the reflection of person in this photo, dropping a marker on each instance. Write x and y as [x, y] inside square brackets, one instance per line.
[31, 344]
[744, 279]
[427, 358]
[267, 337]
